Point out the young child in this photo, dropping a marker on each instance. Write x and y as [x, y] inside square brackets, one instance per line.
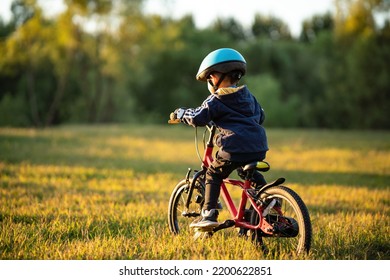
[237, 115]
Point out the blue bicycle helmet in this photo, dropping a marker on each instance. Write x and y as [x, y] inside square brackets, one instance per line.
[223, 60]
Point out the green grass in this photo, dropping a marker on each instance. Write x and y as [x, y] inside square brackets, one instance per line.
[101, 192]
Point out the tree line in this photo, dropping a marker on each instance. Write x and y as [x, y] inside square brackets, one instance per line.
[135, 67]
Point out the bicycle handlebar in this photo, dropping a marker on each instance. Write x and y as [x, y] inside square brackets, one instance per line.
[209, 126]
[174, 121]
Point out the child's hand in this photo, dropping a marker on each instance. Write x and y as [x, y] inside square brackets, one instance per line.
[172, 116]
[177, 115]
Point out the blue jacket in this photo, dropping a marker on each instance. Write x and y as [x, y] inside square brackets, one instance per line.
[238, 117]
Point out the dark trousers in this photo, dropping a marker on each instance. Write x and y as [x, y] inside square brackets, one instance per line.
[220, 169]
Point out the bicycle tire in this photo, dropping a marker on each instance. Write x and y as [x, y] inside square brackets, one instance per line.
[294, 238]
[180, 218]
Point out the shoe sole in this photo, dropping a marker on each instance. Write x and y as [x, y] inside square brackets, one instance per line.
[207, 227]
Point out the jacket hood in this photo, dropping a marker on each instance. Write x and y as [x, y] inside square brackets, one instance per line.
[238, 99]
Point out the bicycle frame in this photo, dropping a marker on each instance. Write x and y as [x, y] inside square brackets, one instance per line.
[237, 213]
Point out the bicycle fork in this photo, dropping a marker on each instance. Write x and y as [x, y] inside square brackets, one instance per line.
[190, 191]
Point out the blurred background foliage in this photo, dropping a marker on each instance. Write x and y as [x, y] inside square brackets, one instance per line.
[137, 67]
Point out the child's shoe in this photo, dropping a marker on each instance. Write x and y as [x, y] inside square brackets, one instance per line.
[208, 221]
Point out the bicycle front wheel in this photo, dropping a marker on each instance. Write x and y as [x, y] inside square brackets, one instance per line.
[289, 217]
[180, 216]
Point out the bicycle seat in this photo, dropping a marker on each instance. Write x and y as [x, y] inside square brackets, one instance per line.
[262, 166]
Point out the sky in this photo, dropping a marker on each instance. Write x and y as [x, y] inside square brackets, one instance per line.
[292, 12]
[204, 12]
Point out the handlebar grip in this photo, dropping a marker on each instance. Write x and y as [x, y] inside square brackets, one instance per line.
[175, 121]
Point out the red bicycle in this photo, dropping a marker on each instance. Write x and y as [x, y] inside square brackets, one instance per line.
[272, 212]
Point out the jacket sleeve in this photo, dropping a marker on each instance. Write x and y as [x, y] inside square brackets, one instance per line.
[201, 115]
[262, 116]
[261, 111]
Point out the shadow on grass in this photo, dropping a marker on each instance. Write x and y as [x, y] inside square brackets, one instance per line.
[62, 150]
[373, 181]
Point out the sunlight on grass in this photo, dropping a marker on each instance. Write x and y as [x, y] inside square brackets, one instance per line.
[156, 150]
[101, 192]
[331, 160]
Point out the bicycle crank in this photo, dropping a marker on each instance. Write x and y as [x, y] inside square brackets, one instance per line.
[225, 224]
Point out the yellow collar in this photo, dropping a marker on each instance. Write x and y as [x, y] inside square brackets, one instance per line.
[229, 90]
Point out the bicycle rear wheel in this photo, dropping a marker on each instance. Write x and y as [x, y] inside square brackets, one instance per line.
[288, 215]
[179, 216]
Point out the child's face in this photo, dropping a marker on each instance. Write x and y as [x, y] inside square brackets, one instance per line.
[210, 87]
[211, 81]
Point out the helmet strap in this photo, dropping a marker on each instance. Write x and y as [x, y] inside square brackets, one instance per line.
[219, 81]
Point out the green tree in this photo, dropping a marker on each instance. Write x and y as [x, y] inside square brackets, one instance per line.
[229, 26]
[64, 48]
[167, 55]
[311, 28]
[270, 27]
[27, 49]
[356, 85]
[279, 111]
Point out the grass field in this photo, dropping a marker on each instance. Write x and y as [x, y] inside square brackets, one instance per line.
[101, 192]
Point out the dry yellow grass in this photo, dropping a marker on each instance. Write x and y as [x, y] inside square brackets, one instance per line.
[101, 192]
